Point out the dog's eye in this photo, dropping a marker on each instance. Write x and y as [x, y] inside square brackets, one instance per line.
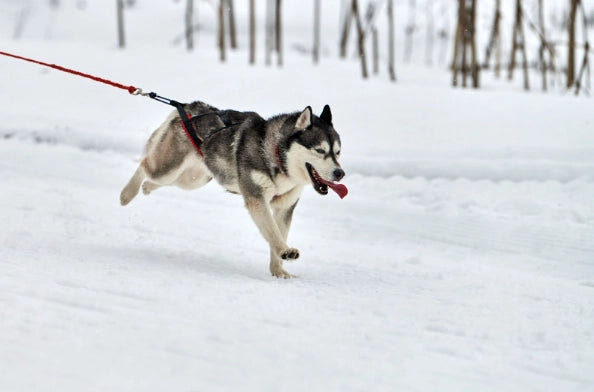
[337, 153]
[320, 151]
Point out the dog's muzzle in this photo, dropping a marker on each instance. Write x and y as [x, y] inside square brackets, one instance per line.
[321, 186]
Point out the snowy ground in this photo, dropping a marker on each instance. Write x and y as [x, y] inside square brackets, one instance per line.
[461, 260]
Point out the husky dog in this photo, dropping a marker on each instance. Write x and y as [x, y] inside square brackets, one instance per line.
[268, 162]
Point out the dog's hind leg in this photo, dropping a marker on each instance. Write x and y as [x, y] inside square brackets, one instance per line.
[194, 176]
[148, 187]
[131, 189]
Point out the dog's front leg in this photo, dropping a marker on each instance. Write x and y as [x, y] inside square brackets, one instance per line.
[262, 216]
[283, 207]
[256, 188]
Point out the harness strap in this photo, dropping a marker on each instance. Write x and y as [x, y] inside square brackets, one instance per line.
[185, 118]
[188, 127]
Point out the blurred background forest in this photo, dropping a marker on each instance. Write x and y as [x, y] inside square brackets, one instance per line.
[545, 44]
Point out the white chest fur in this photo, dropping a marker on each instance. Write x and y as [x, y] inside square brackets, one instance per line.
[281, 184]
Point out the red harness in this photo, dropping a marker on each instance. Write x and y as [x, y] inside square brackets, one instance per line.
[193, 136]
[278, 161]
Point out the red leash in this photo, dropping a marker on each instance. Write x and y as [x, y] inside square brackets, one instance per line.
[187, 124]
[131, 89]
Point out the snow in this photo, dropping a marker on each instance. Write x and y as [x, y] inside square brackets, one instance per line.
[461, 260]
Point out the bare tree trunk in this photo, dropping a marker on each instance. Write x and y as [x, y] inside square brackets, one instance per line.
[512, 57]
[189, 24]
[269, 30]
[541, 49]
[346, 28]
[252, 32]
[443, 33]
[120, 17]
[585, 67]
[410, 30]
[571, 48]
[232, 32]
[519, 43]
[465, 42]
[21, 22]
[495, 38]
[474, 62]
[456, 66]
[498, 51]
[524, 56]
[375, 50]
[278, 33]
[391, 68]
[430, 33]
[221, 32]
[316, 33]
[361, 39]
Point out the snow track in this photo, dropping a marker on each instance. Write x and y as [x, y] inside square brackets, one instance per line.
[407, 283]
[451, 268]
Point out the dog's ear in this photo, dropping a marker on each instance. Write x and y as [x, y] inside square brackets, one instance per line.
[326, 115]
[304, 119]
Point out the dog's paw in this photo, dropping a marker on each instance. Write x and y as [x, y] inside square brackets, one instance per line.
[146, 188]
[125, 198]
[281, 273]
[289, 254]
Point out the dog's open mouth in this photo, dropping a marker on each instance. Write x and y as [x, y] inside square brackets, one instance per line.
[321, 186]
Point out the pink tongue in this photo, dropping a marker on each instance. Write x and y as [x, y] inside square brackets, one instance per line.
[340, 189]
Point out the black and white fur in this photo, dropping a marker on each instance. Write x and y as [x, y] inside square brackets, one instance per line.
[268, 162]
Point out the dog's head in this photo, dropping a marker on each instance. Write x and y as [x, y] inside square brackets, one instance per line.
[314, 150]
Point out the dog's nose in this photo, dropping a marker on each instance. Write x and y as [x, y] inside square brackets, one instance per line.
[338, 174]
